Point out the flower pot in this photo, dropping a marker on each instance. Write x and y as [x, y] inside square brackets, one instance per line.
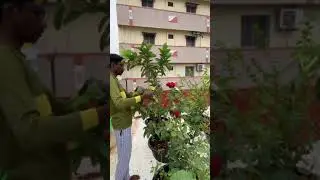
[159, 149]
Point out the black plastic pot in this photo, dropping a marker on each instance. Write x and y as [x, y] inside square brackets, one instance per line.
[159, 154]
[164, 169]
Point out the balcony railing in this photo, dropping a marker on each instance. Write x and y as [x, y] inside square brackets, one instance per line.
[131, 83]
[155, 18]
[181, 54]
[281, 58]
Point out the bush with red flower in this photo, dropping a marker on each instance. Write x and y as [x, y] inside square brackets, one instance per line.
[196, 105]
[171, 84]
[264, 140]
[171, 138]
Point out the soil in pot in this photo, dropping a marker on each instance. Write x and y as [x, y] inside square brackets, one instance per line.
[159, 149]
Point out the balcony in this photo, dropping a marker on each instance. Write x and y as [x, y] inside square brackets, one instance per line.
[130, 83]
[266, 59]
[181, 54]
[155, 18]
[265, 2]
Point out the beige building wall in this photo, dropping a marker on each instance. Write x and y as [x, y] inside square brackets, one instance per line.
[178, 5]
[133, 35]
[80, 36]
[178, 71]
[229, 19]
[79, 40]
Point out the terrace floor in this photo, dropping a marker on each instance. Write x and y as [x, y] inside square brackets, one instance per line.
[142, 159]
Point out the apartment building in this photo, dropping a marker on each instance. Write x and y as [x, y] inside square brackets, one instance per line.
[183, 24]
[279, 21]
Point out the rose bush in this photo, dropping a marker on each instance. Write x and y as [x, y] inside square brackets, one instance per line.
[173, 138]
[266, 137]
[188, 151]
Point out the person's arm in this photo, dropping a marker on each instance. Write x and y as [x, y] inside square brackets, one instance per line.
[139, 91]
[18, 108]
[116, 96]
[59, 107]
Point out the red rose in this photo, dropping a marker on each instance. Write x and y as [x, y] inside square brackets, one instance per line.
[171, 84]
[176, 113]
[216, 165]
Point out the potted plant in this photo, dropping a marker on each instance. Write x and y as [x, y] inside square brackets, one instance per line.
[187, 156]
[266, 137]
[171, 138]
[152, 67]
[196, 105]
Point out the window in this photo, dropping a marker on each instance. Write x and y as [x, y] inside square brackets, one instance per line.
[255, 31]
[170, 36]
[191, 7]
[147, 3]
[170, 4]
[190, 41]
[189, 71]
[149, 38]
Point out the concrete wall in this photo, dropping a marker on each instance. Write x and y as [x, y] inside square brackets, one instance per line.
[155, 20]
[131, 83]
[227, 24]
[79, 41]
[178, 5]
[65, 81]
[80, 36]
[129, 35]
[178, 71]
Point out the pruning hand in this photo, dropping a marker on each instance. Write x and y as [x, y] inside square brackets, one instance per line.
[140, 90]
[102, 114]
[147, 94]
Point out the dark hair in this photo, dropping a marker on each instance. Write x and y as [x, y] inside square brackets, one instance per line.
[115, 59]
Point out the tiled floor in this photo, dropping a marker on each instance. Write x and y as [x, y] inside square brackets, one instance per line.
[142, 159]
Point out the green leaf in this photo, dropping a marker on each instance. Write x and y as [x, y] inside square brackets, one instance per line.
[182, 174]
[72, 16]
[102, 23]
[104, 40]
[59, 15]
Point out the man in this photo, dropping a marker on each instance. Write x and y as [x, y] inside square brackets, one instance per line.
[32, 139]
[121, 113]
